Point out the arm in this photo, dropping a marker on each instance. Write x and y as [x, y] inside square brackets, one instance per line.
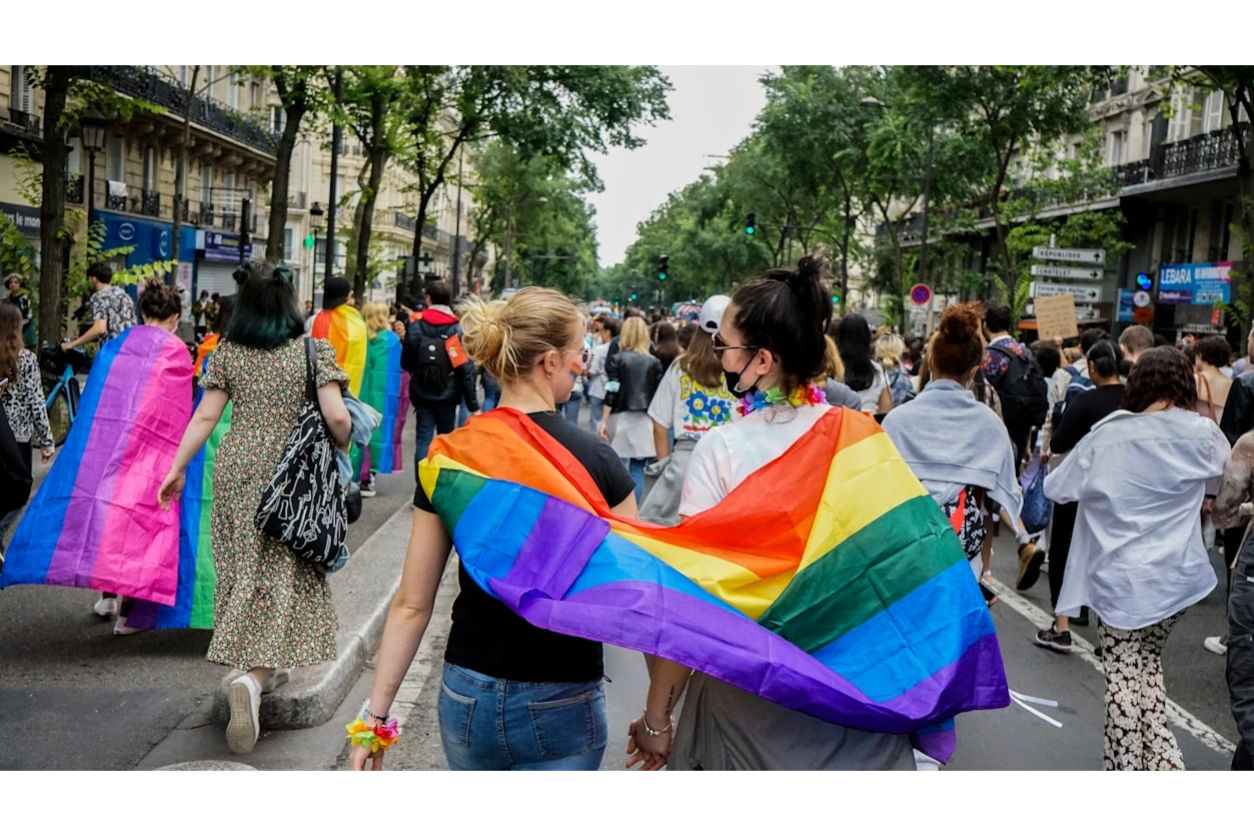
[41, 437]
[1234, 491]
[469, 388]
[98, 329]
[1066, 482]
[885, 403]
[339, 422]
[194, 437]
[408, 617]
[1236, 418]
[661, 440]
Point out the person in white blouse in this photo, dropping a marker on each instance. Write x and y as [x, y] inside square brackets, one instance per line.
[1137, 559]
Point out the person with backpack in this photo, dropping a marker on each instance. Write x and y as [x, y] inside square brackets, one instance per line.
[1012, 371]
[440, 372]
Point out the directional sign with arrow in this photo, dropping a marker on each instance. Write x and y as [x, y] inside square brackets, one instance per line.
[1049, 271]
[1082, 293]
[1082, 256]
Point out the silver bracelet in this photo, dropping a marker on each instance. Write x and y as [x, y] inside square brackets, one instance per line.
[644, 715]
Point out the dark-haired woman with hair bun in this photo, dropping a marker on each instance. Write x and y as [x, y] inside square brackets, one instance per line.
[1136, 558]
[863, 374]
[771, 345]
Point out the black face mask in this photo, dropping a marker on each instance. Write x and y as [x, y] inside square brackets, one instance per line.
[733, 380]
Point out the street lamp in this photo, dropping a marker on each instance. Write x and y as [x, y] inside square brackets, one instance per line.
[871, 101]
[92, 125]
[509, 232]
[316, 213]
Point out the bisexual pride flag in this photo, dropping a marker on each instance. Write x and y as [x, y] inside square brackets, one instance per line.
[385, 388]
[344, 328]
[828, 582]
[95, 522]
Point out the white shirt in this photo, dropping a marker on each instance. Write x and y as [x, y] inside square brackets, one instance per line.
[690, 409]
[596, 372]
[728, 454]
[1137, 555]
[871, 395]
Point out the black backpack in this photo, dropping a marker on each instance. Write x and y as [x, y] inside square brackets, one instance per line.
[15, 472]
[433, 367]
[1023, 390]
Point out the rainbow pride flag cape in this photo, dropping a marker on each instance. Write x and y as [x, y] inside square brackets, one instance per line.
[840, 591]
[386, 388]
[345, 329]
[94, 522]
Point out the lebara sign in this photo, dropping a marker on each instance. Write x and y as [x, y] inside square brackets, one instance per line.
[1195, 284]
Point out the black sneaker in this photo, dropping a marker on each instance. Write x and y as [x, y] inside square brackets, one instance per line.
[1051, 638]
[1082, 620]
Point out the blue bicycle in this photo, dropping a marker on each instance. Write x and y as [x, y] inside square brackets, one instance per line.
[59, 370]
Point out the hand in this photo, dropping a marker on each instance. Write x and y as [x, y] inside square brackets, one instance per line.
[67, 345]
[648, 750]
[603, 430]
[1058, 342]
[45, 454]
[171, 489]
[1045, 456]
[359, 754]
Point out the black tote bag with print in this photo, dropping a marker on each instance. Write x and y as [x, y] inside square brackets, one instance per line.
[303, 507]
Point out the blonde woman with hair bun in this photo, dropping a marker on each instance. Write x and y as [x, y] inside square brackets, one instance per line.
[889, 351]
[514, 696]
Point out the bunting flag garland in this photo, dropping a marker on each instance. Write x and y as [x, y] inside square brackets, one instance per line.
[840, 591]
[345, 329]
[95, 522]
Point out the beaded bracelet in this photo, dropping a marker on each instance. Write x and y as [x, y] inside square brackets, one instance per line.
[670, 726]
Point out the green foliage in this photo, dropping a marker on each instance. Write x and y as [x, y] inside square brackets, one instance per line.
[16, 253]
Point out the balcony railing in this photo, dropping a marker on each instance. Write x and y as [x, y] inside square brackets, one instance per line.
[141, 83]
[74, 189]
[116, 202]
[429, 231]
[27, 122]
[150, 203]
[206, 214]
[405, 221]
[230, 219]
[1217, 149]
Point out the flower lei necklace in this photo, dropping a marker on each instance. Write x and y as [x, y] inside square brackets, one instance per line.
[809, 393]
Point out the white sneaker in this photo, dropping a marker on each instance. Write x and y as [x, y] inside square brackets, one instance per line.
[244, 727]
[1215, 644]
[368, 489]
[120, 628]
[106, 607]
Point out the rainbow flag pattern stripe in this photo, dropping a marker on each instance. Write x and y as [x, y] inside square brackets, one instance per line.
[841, 592]
[386, 388]
[346, 331]
[95, 523]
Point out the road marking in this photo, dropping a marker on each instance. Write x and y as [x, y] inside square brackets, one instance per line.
[1081, 647]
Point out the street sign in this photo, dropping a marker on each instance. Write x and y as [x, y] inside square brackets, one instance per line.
[920, 294]
[1048, 271]
[1081, 256]
[1143, 316]
[1141, 299]
[1081, 292]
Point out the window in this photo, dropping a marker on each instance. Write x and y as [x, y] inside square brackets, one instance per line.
[1213, 112]
[1178, 127]
[150, 169]
[21, 92]
[210, 78]
[278, 119]
[230, 200]
[254, 95]
[232, 91]
[206, 184]
[287, 242]
[1114, 147]
[74, 162]
[115, 159]
[184, 74]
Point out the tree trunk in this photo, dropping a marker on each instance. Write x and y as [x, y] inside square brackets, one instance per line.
[52, 205]
[295, 104]
[353, 246]
[180, 168]
[424, 200]
[378, 151]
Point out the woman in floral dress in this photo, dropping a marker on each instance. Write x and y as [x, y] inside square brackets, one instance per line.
[272, 610]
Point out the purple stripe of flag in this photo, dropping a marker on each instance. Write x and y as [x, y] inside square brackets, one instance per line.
[556, 550]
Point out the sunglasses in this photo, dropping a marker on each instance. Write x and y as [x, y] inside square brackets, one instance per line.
[720, 345]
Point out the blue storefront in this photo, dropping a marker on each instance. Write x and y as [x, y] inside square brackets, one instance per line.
[151, 239]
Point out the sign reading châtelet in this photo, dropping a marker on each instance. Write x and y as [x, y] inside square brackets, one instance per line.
[1082, 256]
[1049, 271]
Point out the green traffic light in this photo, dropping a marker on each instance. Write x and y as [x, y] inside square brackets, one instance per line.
[749, 230]
[661, 277]
[835, 298]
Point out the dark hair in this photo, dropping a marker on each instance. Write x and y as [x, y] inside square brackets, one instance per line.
[685, 335]
[1214, 350]
[1047, 357]
[998, 317]
[440, 293]
[914, 350]
[612, 325]
[1161, 374]
[853, 340]
[957, 347]
[101, 272]
[215, 297]
[666, 344]
[159, 301]
[267, 313]
[1104, 358]
[1090, 338]
[10, 340]
[226, 306]
[785, 312]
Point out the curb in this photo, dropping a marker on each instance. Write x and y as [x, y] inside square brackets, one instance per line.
[313, 694]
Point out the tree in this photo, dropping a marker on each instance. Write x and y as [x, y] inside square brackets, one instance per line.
[300, 94]
[563, 112]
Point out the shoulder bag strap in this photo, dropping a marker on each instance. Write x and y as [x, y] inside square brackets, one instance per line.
[311, 370]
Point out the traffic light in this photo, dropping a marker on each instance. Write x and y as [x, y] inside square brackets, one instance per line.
[751, 223]
[835, 297]
[663, 268]
[633, 297]
[1143, 281]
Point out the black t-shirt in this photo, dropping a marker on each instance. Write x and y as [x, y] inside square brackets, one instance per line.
[1086, 410]
[490, 638]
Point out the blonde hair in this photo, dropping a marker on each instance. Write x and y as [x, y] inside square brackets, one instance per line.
[635, 336]
[376, 316]
[508, 338]
[1072, 354]
[835, 367]
[889, 350]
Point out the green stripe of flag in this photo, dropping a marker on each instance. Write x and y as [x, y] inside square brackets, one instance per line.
[456, 488]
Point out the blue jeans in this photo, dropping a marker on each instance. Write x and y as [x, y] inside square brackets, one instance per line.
[637, 466]
[491, 394]
[429, 419]
[490, 723]
[571, 409]
[594, 411]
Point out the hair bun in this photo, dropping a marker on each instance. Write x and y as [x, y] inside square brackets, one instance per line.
[283, 273]
[959, 323]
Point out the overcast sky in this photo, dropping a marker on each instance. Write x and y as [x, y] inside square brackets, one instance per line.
[712, 109]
